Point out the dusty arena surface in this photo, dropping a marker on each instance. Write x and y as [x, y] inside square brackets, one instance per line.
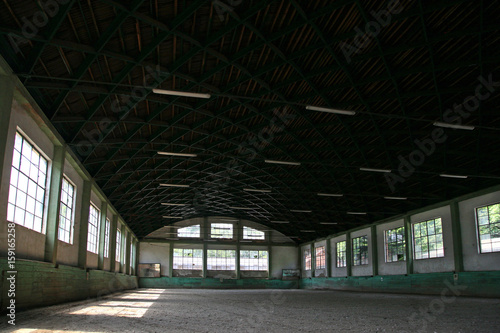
[167, 310]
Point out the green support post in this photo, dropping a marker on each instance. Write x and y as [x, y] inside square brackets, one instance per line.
[374, 250]
[457, 237]
[238, 249]
[112, 243]
[127, 253]
[348, 254]
[6, 98]
[313, 260]
[328, 257]
[122, 249]
[54, 206]
[102, 229]
[205, 247]
[84, 221]
[269, 257]
[171, 258]
[409, 245]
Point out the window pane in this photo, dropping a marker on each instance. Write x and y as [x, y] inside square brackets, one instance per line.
[428, 244]
[488, 220]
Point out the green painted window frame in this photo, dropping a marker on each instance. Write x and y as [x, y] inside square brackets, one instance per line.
[187, 259]
[67, 211]
[360, 251]
[320, 257]
[395, 245]
[428, 240]
[307, 260]
[341, 254]
[488, 224]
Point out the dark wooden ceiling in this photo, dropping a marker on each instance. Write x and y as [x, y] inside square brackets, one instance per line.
[92, 65]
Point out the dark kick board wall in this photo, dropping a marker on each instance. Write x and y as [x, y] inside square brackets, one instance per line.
[41, 284]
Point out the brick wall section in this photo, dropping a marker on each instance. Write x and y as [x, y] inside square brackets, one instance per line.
[42, 284]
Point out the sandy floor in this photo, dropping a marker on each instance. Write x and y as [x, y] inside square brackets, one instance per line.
[159, 310]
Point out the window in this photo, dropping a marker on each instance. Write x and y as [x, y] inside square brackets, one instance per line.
[251, 233]
[222, 230]
[221, 260]
[66, 216]
[132, 256]
[341, 254]
[360, 251]
[191, 231]
[188, 259]
[488, 222]
[118, 244]
[106, 238]
[93, 229]
[27, 185]
[428, 239]
[320, 257]
[253, 260]
[395, 245]
[307, 259]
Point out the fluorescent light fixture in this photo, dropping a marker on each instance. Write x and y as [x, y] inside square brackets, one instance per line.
[356, 213]
[166, 153]
[300, 211]
[375, 170]
[171, 204]
[447, 125]
[174, 185]
[307, 231]
[180, 93]
[453, 176]
[329, 195]
[328, 223]
[241, 208]
[395, 198]
[172, 217]
[280, 222]
[255, 190]
[328, 110]
[281, 162]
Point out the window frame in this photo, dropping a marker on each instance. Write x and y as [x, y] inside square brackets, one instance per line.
[414, 239]
[307, 257]
[250, 230]
[186, 265]
[221, 261]
[320, 257]
[118, 246]
[362, 261]
[216, 236]
[397, 245]
[478, 231]
[11, 215]
[190, 234]
[344, 257]
[262, 262]
[107, 237]
[71, 230]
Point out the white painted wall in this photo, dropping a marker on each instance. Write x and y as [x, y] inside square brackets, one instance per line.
[443, 264]
[283, 257]
[388, 268]
[336, 271]
[155, 253]
[473, 260]
[363, 270]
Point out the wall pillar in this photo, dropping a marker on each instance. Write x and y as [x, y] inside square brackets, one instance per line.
[84, 221]
[374, 250]
[239, 230]
[204, 227]
[127, 253]
[171, 258]
[457, 237]
[6, 98]
[54, 205]
[348, 253]
[122, 248]
[269, 257]
[102, 239]
[409, 245]
[328, 257]
[112, 244]
[313, 259]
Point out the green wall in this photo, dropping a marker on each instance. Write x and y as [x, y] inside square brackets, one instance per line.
[482, 284]
[42, 284]
[208, 283]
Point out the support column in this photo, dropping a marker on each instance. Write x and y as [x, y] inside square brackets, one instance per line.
[54, 206]
[122, 249]
[269, 257]
[374, 251]
[313, 259]
[6, 98]
[171, 258]
[102, 239]
[328, 257]
[84, 221]
[112, 244]
[205, 226]
[457, 237]
[127, 253]
[409, 245]
[348, 253]
[238, 248]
